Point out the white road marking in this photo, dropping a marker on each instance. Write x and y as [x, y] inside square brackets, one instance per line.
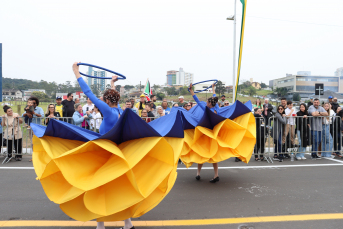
[264, 167]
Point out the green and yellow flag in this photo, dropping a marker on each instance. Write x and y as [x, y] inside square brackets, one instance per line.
[244, 6]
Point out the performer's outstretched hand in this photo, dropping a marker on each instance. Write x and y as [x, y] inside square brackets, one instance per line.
[213, 89]
[191, 89]
[114, 79]
[76, 70]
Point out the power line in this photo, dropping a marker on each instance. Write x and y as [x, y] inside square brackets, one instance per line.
[302, 22]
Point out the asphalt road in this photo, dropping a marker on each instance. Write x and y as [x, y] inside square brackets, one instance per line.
[258, 189]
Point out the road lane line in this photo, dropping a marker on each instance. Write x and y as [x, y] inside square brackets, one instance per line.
[166, 223]
[264, 167]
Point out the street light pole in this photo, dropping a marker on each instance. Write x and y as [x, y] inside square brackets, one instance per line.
[234, 53]
[234, 57]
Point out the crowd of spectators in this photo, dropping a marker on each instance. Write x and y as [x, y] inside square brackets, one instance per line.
[317, 127]
[314, 125]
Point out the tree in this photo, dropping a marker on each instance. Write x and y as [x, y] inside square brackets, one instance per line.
[220, 89]
[96, 89]
[155, 87]
[281, 91]
[160, 96]
[263, 85]
[184, 90]
[296, 97]
[118, 88]
[251, 91]
[40, 95]
[128, 87]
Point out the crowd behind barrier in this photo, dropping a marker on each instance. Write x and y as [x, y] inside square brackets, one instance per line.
[279, 135]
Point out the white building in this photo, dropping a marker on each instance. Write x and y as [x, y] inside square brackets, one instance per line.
[27, 93]
[179, 77]
[9, 94]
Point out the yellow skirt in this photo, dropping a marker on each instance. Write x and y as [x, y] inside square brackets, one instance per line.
[105, 181]
[229, 138]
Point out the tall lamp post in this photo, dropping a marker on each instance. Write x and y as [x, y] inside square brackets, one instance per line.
[233, 18]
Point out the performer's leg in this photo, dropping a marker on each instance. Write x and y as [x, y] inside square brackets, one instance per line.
[215, 167]
[100, 225]
[128, 224]
[199, 169]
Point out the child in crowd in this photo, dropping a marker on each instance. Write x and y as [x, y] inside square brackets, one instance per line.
[29, 109]
[290, 126]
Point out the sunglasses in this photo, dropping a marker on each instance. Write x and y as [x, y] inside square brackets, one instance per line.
[188, 105]
[226, 103]
[51, 107]
[280, 108]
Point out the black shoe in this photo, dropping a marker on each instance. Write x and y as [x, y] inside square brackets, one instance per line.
[317, 157]
[197, 177]
[130, 228]
[280, 160]
[237, 159]
[262, 159]
[214, 180]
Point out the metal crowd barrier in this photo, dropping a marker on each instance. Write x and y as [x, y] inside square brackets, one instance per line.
[320, 136]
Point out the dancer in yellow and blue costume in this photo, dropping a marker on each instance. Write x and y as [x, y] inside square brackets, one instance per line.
[218, 133]
[115, 175]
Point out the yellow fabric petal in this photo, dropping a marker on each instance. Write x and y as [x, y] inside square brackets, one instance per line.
[58, 189]
[77, 210]
[93, 164]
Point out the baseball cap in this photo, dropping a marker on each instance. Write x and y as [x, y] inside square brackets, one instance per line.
[181, 97]
[142, 95]
[330, 97]
[223, 95]
[311, 97]
[58, 97]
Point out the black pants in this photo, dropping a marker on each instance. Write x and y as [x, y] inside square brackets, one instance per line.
[260, 139]
[17, 143]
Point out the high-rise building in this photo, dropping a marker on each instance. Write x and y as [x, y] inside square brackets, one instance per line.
[92, 81]
[179, 77]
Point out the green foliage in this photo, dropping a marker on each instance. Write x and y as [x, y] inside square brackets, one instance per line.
[281, 91]
[160, 96]
[50, 87]
[128, 87]
[220, 89]
[40, 95]
[251, 91]
[184, 90]
[296, 97]
[118, 88]
[171, 90]
[96, 89]
[263, 85]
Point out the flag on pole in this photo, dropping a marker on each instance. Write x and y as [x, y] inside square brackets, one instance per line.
[147, 91]
[244, 5]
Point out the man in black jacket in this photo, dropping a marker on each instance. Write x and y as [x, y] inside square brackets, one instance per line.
[267, 111]
[68, 107]
[334, 105]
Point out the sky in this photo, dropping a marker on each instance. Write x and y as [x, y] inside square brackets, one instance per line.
[145, 39]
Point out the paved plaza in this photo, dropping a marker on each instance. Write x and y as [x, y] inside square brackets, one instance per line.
[298, 194]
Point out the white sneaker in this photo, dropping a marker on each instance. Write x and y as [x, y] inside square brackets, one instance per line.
[298, 158]
[304, 158]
